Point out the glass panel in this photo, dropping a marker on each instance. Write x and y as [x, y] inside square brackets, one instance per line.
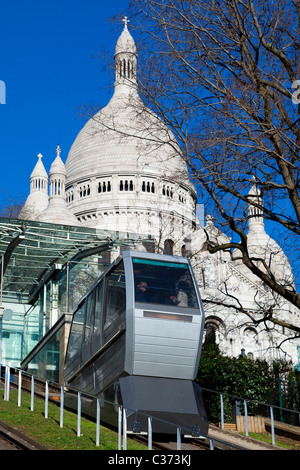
[165, 283]
[11, 335]
[81, 277]
[62, 291]
[76, 334]
[116, 293]
[99, 304]
[48, 305]
[33, 326]
[89, 315]
[45, 363]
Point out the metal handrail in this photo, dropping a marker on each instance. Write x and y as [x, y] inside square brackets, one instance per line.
[237, 398]
[246, 401]
[122, 413]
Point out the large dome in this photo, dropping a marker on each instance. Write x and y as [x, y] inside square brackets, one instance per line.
[125, 134]
[125, 170]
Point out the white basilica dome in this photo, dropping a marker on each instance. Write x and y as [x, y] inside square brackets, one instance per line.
[126, 157]
[125, 134]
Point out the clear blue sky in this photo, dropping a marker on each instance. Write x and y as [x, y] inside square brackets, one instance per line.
[49, 68]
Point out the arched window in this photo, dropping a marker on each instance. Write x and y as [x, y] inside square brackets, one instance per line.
[168, 247]
[104, 186]
[83, 190]
[250, 332]
[214, 329]
[129, 69]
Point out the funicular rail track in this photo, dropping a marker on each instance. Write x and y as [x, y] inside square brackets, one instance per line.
[12, 439]
[188, 445]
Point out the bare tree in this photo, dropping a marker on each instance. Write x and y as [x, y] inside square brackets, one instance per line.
[221, 73]
[12, 208]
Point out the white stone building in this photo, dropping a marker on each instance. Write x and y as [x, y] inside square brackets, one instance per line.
[125, 172]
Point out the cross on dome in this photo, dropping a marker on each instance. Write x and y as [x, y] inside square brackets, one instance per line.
[40, 156]
[58, 151]
[125, 21]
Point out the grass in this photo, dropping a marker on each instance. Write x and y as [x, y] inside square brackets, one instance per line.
[48, 432]
[280, 441]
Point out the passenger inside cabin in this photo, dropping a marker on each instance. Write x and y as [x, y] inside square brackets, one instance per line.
[182, 297]
[142, 292]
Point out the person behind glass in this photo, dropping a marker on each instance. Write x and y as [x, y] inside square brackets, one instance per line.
[142, 293]
[181, 299]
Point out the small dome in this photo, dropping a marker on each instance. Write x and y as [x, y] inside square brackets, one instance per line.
[58, 166]
[261, 246]
[39, 169]
[125, 42]
[57, 213]
[37, 200]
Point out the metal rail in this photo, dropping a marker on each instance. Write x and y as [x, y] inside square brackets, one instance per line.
[53, 392]
[246, 402]
[15, 440]
[122, 411]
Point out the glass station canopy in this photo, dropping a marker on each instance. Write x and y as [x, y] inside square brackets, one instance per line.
[44, 270]
[31, 250]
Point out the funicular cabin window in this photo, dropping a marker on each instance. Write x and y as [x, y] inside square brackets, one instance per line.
[76, 334]
[164, 283]
[116, 294]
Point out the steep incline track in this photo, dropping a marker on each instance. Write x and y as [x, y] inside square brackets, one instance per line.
[11, 439]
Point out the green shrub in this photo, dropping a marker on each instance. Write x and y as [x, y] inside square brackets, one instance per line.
[276, 383]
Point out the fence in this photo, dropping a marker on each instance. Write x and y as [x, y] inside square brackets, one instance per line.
[243, 404]
[122, 412]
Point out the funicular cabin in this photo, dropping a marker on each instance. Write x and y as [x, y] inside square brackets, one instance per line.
[136, 340]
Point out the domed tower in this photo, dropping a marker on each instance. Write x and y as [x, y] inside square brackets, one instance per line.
[57, 211]
[37, 200]
[125, 170]
[125, 59]
[255, 211]
[261, 246]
